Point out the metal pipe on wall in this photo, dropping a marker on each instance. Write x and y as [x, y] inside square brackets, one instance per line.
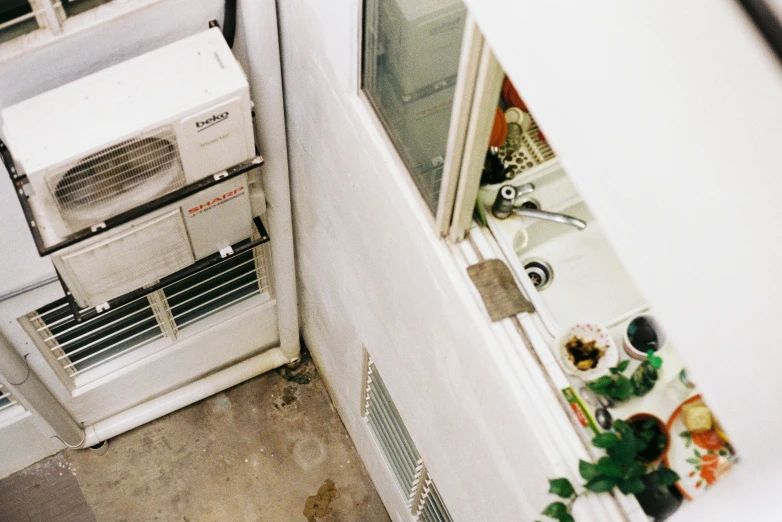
[28, 386]
[258, 26]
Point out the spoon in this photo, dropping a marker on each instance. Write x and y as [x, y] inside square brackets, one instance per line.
[602, 415]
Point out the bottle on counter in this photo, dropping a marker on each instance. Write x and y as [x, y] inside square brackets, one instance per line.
[680, 387]
[645, 376]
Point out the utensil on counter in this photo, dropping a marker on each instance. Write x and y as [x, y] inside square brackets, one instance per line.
[603, 417]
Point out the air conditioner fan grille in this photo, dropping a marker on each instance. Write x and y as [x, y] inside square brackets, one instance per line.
[118, 178]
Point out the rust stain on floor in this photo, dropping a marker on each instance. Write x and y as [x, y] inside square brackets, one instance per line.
[288, 397]
[319, 505]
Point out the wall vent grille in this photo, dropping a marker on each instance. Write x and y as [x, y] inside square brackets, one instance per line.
[392, 437]
[396, 445]
[73, 348]
[431, 507]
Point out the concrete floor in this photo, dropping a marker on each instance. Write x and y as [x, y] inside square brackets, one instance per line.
[271, 449]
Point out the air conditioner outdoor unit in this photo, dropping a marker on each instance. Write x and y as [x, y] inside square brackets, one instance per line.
[150, 128]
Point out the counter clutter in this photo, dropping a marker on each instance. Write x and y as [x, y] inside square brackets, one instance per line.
[665, 444]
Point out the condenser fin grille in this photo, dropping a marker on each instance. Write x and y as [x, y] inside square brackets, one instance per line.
[118, 178]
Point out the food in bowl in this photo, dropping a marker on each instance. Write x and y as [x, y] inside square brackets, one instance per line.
[583, 354]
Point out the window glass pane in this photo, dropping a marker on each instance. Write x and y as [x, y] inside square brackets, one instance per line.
[411, 56]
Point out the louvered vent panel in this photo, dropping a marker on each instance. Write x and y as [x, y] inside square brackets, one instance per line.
[237, 278]
[142, 255]
[117, 178]
[80, 347]
[7, 400]
[392, 436]
[431, 506]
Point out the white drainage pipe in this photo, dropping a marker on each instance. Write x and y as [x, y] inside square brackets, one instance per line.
[184, 396]
[257, 25]
[29, 388]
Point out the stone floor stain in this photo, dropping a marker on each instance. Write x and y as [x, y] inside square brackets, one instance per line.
[319, 505]
[233, 457]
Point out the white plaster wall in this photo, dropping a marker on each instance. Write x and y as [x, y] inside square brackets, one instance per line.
[668, 116]
[373, 272]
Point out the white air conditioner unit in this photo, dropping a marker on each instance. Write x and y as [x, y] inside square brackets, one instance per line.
[112, 142]
[115, 139]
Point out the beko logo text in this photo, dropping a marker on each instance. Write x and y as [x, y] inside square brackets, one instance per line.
[211, 120]
[219, 200]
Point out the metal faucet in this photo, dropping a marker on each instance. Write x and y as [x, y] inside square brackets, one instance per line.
[505, 205]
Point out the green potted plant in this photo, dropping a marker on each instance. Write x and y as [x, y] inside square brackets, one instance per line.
[624, 467]
[619, 388]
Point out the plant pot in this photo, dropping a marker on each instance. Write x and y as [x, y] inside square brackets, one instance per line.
[651, 459]
[659, 502]
[643, 333]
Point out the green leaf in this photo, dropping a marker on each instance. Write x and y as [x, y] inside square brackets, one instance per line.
[613, 371]
[635, 470]
[631, 486]
[623, 389]
[567, 517]
[640, 445]
[601, 385]
[698, 453]
[605, 380]
[609, 467]
[588, 470]
[621, 426]
[622, 366]
[693, 460]
[665, 476]
[605, 440]
[601, 484]
[624, 451]
[555, 510]
[561, 487]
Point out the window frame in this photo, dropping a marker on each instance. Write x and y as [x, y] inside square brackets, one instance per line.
[478, 84]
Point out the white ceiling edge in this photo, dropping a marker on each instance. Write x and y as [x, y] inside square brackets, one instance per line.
[668, 117]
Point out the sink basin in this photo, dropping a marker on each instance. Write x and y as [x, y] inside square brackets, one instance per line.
[587, 281]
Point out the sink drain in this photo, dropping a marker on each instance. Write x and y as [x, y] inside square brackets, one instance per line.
[529, 203]
[540, 273]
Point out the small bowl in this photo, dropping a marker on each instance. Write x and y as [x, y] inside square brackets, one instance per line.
[587, 332]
